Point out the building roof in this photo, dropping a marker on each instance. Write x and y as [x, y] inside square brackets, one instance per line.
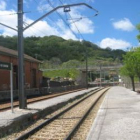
[14, 53]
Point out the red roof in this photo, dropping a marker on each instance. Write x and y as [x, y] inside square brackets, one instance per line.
[10, 52]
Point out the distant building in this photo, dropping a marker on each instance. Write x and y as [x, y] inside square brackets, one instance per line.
[33, 76]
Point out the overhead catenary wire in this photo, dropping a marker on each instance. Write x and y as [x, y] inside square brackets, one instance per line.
[62, 19]
[43, 11]
[14, 13]
[47, 18]
[26, 24]
[74, 23]
[41, 8]
[80, 18]
[51, 19]
[86, 53]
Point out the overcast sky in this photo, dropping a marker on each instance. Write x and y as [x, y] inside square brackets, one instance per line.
[114, 27]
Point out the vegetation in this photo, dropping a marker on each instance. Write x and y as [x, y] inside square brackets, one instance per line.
[138, 36]
[128, 68]
[67, 73]
[58, 53]
[131, 66]
[46, 48]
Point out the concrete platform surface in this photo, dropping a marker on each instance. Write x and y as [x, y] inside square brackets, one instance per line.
[119, 116]
[9, 120]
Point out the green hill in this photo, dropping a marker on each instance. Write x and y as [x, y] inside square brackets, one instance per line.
[46, 48]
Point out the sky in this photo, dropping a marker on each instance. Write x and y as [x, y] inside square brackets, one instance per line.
[114, 27]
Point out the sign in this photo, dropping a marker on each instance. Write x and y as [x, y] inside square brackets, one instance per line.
[5, 66]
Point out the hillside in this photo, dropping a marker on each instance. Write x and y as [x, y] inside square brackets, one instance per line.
[46, 48]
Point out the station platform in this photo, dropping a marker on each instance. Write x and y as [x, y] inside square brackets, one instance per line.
[13, 121]
[118, 117]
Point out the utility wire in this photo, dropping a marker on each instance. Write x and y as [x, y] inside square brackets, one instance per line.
[80, 18]
[74, 23]
[43, 11]
[26, 24]
[62, 19]
[40, 7]
[15, 13]
[59, 16]
[8, 14]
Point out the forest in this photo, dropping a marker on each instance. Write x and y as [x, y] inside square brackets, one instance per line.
[48, 47]
[64, 56]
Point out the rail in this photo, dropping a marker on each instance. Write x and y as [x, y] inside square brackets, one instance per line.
[31, 132]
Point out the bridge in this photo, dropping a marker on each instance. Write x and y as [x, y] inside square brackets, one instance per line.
[90, 68]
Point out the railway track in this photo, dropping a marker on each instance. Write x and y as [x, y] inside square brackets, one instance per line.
[6, 106]
[65, 124]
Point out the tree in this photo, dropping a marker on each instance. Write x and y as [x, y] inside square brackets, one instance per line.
[55, 62]
[71, 64]
[129, 67]
[47, 47]
[136, 56]
[138, 36]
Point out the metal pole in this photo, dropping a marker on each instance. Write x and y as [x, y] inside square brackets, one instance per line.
[100, 76]
[62, 6]
[113, 80]
[90, 76]
[8, 27]
[11, 83]
[86, 69]
[22, 97]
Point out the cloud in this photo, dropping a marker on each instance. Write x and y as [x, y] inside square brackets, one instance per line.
[124, 25]
[44, 28]
[114, 43]
[65, 33]
[84, 0]
[2, 5]
[41, 28]
[43, 7]
[85, 25]
[90, 0]
[68, 35]
[77, 22]
[10, 20]
[112, 19]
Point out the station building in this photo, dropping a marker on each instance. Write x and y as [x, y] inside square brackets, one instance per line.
[33, 76]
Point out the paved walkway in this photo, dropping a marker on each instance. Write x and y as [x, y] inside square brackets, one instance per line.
[118, 117]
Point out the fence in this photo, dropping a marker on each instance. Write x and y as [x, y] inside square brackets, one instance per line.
[5, 95]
